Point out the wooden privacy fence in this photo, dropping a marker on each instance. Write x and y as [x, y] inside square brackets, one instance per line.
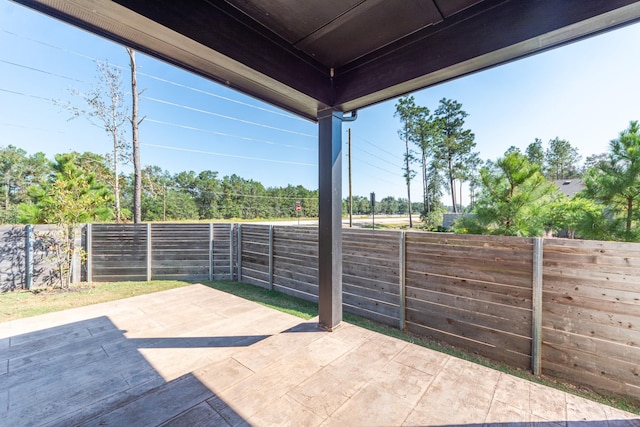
[160, 252]
[561, 307]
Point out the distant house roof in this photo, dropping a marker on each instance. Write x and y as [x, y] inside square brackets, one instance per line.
[570, 187]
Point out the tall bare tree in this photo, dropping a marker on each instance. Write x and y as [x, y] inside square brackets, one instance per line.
[135, 143]
[106, 109]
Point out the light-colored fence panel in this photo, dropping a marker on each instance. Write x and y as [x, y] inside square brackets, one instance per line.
[180, 251]
[255, 254]
[13, 254]
[473, 292]
[591, 314]
[223, 251]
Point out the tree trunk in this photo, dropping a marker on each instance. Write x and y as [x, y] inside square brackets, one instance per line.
[452, 185]
[116, 181]
[135, 143]
[629, 213]
[406, 141]
[425, 186]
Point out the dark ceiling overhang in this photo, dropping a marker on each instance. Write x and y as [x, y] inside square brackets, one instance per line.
[306, 56]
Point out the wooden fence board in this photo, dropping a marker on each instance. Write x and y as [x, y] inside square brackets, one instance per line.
[387, 320]
[485, 291]
[520, 278]
[591, 381]
[483, 349]
[295, 293]
[372, 305]
[372, 284]
[493, 337]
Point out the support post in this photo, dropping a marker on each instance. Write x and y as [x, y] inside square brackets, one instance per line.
[210, 251]
[149, 255]
[271, 257]
[239, 253]
[28, 259]
[89, 243]
[330, 219]
[402, 275]
[536, 321]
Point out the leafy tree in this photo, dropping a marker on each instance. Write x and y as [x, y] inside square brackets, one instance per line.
[406, 110]
[514, 192]
[616, 182]
[17, 172]
[595, 160]
[454, 145]
[70, 197]
[535, 153]
[561, 159]
[574, 215]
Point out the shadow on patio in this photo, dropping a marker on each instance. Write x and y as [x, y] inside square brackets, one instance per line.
[198, 356]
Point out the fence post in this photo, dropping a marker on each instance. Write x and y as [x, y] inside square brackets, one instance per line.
[401, 275]
[28, 258]
[89, 243]
[536, 301]
[230, 251]
[239, 253]
[210, 251]
[271, 257]
[149, 254]
[76, 259]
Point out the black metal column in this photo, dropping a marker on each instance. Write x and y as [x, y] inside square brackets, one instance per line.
[330, 221]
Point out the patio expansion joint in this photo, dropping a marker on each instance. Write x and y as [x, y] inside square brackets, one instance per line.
[435, 375]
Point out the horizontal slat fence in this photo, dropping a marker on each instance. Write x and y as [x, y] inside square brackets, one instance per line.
[371, 274]
[479, 293]
[223, 256]
[255, 252]
[180, 251]
[473, 292]
[118, 252]
[295, 261]
[591, 314]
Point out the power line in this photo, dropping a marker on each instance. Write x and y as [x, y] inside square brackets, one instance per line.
[178, 125]
[72, 52]
[256, 196]
[378, 157]
[378, 147]
[378, 167]
[26, 94]
[198, 110]
[267, 110]
[228, 155]
[40, 71]
[226, 134]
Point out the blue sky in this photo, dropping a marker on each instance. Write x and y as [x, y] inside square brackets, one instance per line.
[586, 92]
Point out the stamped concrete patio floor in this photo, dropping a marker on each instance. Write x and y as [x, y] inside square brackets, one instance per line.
[197, 356]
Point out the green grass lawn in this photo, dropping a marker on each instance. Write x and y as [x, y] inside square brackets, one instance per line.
[17, 305]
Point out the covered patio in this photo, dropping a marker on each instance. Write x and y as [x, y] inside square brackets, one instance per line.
[197, 356]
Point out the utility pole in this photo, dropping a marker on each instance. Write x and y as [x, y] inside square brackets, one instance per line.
[350, 194]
